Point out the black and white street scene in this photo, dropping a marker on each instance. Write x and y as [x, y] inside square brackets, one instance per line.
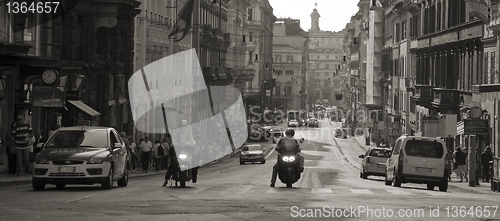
[249, 110]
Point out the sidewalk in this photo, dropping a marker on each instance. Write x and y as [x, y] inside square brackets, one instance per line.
[482, 188]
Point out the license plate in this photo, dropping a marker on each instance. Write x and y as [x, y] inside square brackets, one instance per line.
[423, 169]
[66, 169]
[381, 166]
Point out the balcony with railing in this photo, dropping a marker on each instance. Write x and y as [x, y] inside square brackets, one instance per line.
[446, 98]
[423, 95]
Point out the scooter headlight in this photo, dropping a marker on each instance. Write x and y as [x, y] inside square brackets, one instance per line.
[182, 156]
[288, 159]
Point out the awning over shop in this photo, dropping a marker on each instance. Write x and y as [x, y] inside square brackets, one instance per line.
[85, 108]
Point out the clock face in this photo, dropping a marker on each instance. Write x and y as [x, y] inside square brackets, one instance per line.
[476, 112]
[49, 76]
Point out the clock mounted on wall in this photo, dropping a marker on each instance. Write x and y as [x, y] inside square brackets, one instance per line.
[476, 112]
[50, 76]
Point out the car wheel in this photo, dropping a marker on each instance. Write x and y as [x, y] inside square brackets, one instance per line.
[387, 182]
[124, 180]
[365, 176]
[443, 187]
[430, 186]
[397, 181]
[108, 183]
[263, 161]
[60, 186]
[242, 162]
[38, 186]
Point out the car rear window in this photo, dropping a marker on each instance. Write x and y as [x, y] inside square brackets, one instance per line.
[422, 148]
[78, 138]
[378, 153]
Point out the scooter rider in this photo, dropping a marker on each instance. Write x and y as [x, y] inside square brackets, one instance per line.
[288, 144]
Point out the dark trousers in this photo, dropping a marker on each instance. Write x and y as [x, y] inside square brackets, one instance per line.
[132, 160]
[158, 163]
[164, 162]
[22, 158]
[486, 172]
[12, 161]
[145, 159]
[171, 171]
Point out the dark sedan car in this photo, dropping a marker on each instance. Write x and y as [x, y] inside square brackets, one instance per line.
[313, 122]
[252, 153]
[82, 155]
[341, 133]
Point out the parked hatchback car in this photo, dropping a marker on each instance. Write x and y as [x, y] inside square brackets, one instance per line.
[418, 160]
[373, 162]
[252, 153]
[81, 155]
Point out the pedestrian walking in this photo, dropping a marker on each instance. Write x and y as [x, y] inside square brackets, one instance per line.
[22, 133]
[172, 166]
[133, 148]
[486, 157]
[166, 147]
[129, 149]
[159, 151]
[11, 152]
[139, 154]
[460, 164]
[146, 148]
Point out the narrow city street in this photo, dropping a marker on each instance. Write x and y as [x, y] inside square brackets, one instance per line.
[229, 191]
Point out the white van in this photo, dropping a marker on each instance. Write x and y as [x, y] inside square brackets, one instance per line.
[418, 160]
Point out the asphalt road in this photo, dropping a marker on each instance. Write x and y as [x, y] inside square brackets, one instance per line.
[329, 189]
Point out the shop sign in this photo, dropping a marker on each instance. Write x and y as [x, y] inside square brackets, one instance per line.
[84, 122]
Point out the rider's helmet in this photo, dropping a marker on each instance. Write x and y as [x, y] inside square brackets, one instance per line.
[290, 132]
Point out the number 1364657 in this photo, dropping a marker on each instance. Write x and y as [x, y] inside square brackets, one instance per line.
[32, 7]
[472, 211]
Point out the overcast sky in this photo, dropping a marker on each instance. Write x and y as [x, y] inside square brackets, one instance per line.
[334, 13]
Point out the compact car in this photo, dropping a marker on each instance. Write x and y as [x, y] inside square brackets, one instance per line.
[252, 153]
[313, 122]
[341, 133]
[81, 155]
[373, 162]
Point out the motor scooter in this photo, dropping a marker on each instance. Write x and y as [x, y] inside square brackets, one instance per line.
[183, 174]
[288, 168]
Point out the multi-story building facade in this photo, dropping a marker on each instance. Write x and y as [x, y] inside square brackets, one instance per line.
[289, 52]
[259, 45]
[324, 63]
[365, 45]
[236, 58]
[398, 76]
[67, 69]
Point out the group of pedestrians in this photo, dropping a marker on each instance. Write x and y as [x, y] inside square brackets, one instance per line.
[460, 162]
[145, 156]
